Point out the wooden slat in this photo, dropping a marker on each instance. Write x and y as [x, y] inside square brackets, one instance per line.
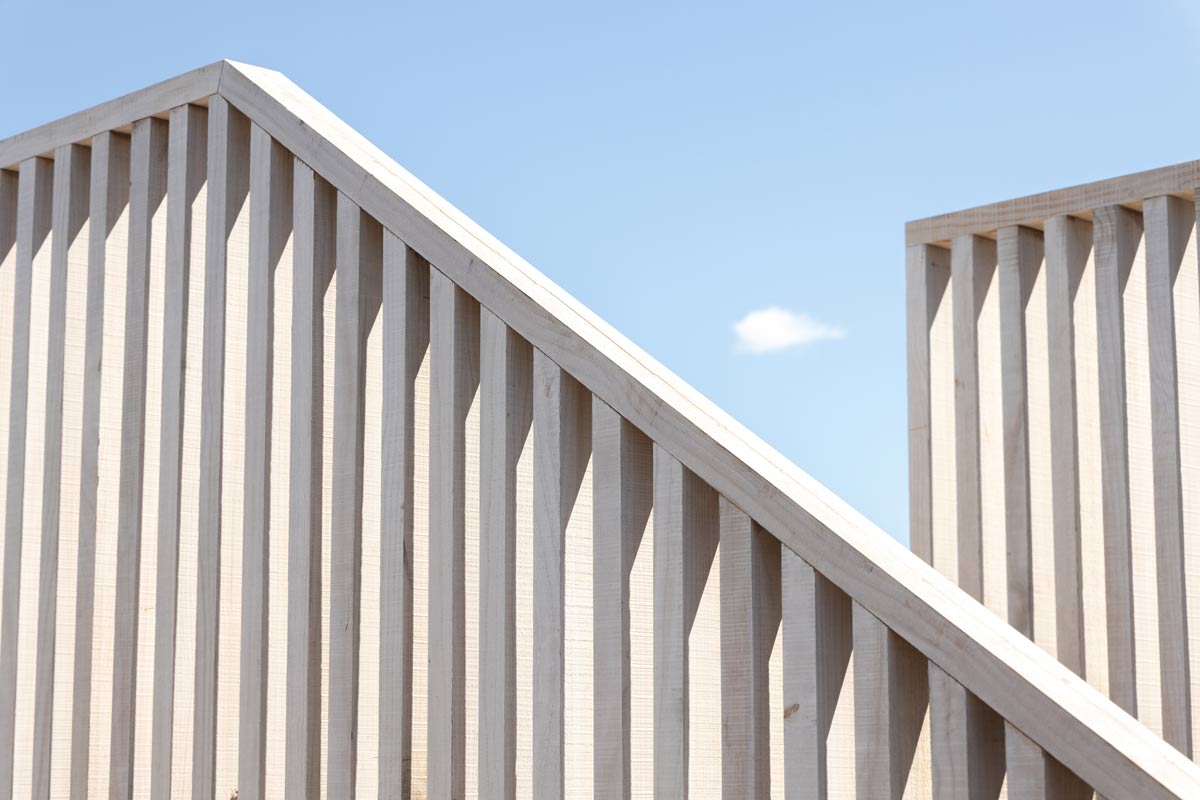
[506, 407]
[454, 377]
[314, 224]
[622, 477]
[228, 184]
[148, 175]
[1034, 775]
[109, 196]
[1116, 232]
[562, 413]
[1067, 246]
[187, 150]
[1019, 255]
[973, 260]
[891, 696]
[685, 541]
[72, 167]
[750, 611]
[359, 263]
[928, 270]
[1168, 224]
[270, 225]
[817, 642]
[967, 742]
[406, 339]
[33, 227]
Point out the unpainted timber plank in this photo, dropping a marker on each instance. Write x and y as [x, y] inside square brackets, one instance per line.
[967, 742]
[1034, 775]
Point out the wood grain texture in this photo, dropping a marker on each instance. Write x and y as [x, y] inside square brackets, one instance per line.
[891, 698]
[750, 612]
[1033, 775]
[70, 211]
[817, 642]
[314, 209]
[108, 200]
[1168, 227]
[685, 541]
[1116, 233]
[622, 480]
[187, 150]
[928, 272]
[506, 408]
[454, 378]
[562, 415]
[967, 742]
[359, 265]
[34, 213]
[228, 186]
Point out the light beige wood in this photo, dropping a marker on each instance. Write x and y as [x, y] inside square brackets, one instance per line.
[1116, 234]
[967, 741]
[891, 697]
[454, 377]
[1033, 775]
[1067, 246]
[314, 221]
[817, 641]
[750, 612]
[1019, 252]
[148, 175]
[34, 203]
[562, 415]
[228, 185]
[270, 226]
[849, 550]
[187, 149]
[1168, 225]
[109, 197]
[506, 408]
[70, 210]
[686, 522]
[9, 192]
[406, 340]
[622, 480]
[359, 263]
[928, 273]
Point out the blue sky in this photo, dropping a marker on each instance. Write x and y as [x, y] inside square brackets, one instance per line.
[678, 166]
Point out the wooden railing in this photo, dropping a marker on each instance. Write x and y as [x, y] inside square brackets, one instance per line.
[1055, 427]
[315, 489]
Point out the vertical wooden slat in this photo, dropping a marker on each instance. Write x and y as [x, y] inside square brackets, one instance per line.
[973, 259]
[8, 237]
[1067, 243]
[967, 742]
[685, 541]
[562, 444]
[33, 227]
[1019, 251]
[1168, 223]
[1034, 775]
[406, 338]
[228, 184]
[359, 264]
[314, 222]
[891, 695]
[70, 209]
[454, 377]
[270, 224]
[505, 388]
[750, 611]
[109, 196]
[622, 467]
[1116, 232]
[928, 269]
[187, 150]
[817, 642]
[148, 175]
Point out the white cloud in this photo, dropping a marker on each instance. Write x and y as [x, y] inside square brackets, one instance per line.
[772, 329]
